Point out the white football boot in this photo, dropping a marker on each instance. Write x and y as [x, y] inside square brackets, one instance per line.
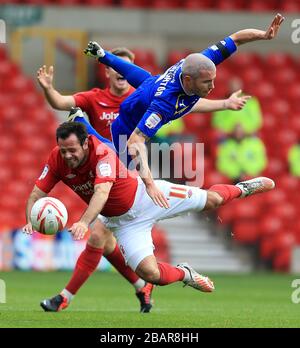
[196, 280]
[256, 185]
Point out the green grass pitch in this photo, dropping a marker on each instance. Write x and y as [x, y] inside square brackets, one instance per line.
[108, 301]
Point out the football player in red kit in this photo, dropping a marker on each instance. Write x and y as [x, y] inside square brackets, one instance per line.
[93, 170]
[76, 166]
[101, 105]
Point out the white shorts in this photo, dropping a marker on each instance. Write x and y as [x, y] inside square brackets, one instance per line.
[133, 229]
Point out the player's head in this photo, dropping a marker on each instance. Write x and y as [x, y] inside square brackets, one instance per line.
[198, 74]
[117, 83]
[72, 140]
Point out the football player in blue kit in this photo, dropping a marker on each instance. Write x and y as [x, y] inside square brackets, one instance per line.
[164, 98]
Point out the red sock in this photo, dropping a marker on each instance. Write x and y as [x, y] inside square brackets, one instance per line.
[118, 261]
[85, 266]
[227, 192]
[169, 274]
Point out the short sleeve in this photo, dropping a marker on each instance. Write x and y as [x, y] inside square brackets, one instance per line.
[158, 114]
[82, 100]
[106, 168]
[49, 178]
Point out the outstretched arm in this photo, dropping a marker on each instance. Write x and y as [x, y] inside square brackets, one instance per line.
[226, 47]
[137, 150]
[248, 35]
[234, 102]
[54, 98]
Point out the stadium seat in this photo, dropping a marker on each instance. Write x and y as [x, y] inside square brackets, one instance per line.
[144, 56]
[263, 91]
[213, 178]
[165, 4]
[276, 196]
[134, 3]
[68, 2]
[282, 260]
[266, 247]
[251, 78]
[260, 6]
[288, 183]
[230, 5]
[19, 84]
[295, 122]
[8, 71]
[275, 61]
[284, 77]
[290, 6]
[195, 122]
[286, 137]
[198, 4]
[3, 55]
[270, 225]
[287, 212]
[6, 174]
[245, 231]
[284, 240]
[280, 108]
[293, 92]
[247, 210]
[245, 60]
[175, 56]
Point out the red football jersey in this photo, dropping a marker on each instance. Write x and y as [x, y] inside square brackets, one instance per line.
[102, 166]
[102, 108]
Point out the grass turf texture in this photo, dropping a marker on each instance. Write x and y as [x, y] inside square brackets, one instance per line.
[107, 301]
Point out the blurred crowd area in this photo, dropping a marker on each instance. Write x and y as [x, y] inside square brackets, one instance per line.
[219, 5]
[261, 139]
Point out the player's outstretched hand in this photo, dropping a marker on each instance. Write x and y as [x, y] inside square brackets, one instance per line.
[78, 230]
[44, 77]
[28, 229]
[157, 196]
[274, 27]
[237, 101]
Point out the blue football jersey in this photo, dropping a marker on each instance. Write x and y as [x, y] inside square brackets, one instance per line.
[161, 99]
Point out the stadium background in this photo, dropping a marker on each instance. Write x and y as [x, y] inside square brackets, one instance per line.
[263, 232]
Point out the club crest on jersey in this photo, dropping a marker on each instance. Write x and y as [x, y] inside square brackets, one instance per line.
[153, 120]
[104, 169]
[45, 172]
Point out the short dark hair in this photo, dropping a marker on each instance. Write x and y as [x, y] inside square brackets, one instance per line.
[68, 128]
[123, 52]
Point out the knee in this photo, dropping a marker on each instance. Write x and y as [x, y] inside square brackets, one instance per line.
[98, 235]
[214, 200]
[96, 240]
[149, 274]
[110, 244]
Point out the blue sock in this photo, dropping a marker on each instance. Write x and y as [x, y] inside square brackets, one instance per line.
[92, 131]
[131, 72]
